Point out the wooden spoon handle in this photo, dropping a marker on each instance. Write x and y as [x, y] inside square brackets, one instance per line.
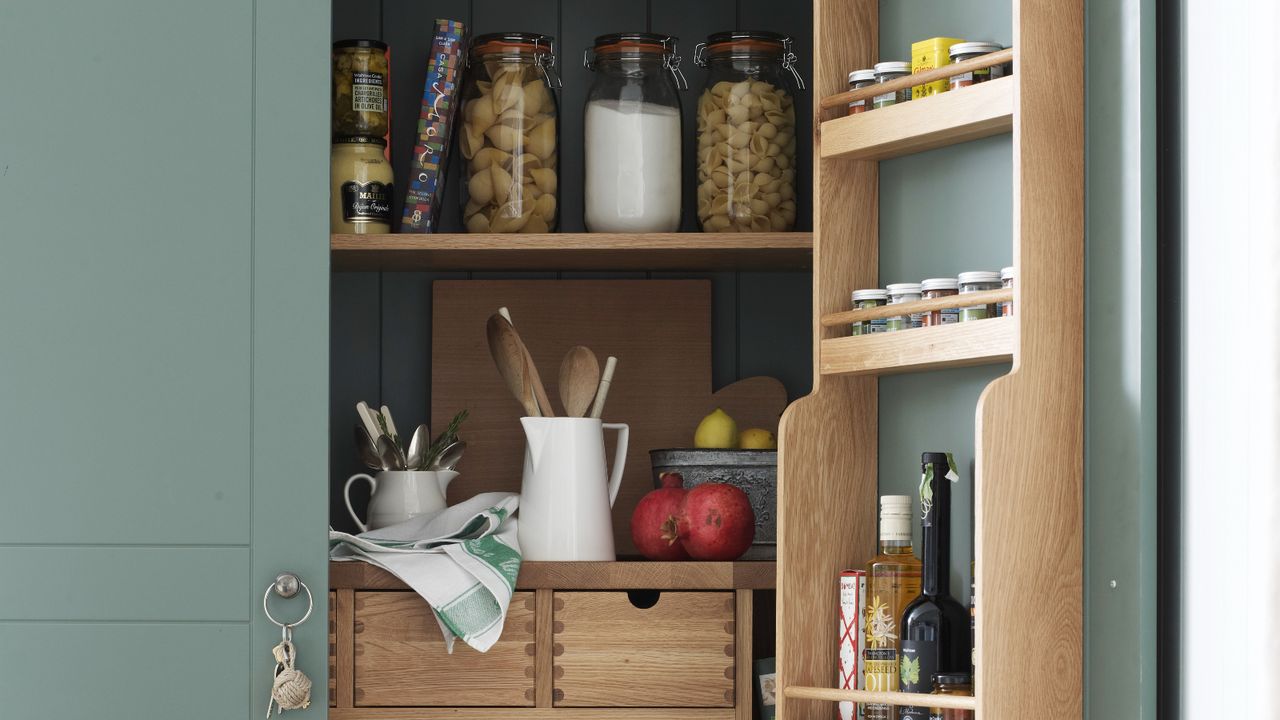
[597, 408]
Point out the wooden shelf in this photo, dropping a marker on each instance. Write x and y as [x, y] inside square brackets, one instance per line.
[948, 118]
[978, 342]
[622, 575]
[573, 251]
[951, 702]
[531, 713]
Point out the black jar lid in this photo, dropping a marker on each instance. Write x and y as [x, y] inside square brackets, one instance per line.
[359, 140]
[930, 458]
[951, 678]
[355, 43]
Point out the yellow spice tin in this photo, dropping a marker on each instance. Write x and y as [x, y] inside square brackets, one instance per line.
[927, 55]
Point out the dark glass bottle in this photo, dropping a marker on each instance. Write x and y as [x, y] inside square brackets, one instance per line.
[935, 637]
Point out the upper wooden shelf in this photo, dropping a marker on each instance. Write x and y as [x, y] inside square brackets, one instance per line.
[948, 118]
[574, 251]
[621, 575]
[978, 342]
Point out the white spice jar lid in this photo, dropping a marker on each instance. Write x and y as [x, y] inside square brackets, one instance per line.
[893, 66]
[903, 288]
[939, 284]
[870, 294]
[861, 75]
[1006, 273]
[979, 276]
[968, 48]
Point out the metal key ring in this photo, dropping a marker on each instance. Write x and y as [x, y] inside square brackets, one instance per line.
[277, 587]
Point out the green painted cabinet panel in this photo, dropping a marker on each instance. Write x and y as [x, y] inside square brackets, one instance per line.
[125, 583]
[119, 671]
[164, 286]
[125, 189]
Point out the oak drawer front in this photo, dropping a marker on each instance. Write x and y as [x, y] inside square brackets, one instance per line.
[400, 659]
[611, 653]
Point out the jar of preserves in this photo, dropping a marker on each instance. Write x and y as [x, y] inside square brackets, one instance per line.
[509, 134]
[955, 684]
[361, 80]
[747, 132]
[632, 129]
[968, 51]
[859, 79]
[936, 288]
[977, 281]
[360, 186]
[891, 70]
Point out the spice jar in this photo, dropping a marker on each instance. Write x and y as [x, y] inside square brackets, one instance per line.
[891, 70]
[508, 135]
[902, 293]
[977, 281]
[859, 79]
[360, 186]
[936, 288]
[954, 684]
[864, 300]
[746, 133]
[968, 51]
[632, 126]
[1006, 281]
[361, 79]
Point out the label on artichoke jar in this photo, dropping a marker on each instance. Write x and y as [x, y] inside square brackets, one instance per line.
[368, 93]
[366, 202]
[916, 667]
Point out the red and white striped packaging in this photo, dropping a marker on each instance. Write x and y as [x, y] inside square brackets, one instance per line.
[853, 638]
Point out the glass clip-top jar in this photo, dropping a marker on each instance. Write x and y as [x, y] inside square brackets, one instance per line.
[509, 134]
[746, 132]
[632, 134]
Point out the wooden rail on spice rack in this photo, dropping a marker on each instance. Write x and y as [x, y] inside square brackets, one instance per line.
[977, 342]
[950, 702]
[947, 118]
[621, 575]
[842, 100]
[573, 251]
[985, 297]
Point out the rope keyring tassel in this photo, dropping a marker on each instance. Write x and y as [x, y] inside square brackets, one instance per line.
[290, 687]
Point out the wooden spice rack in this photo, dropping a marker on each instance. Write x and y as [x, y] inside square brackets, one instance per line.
[1028, 484]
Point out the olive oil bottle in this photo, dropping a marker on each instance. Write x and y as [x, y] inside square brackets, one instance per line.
[893, 580]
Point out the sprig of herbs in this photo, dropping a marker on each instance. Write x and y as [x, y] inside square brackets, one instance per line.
[446, 438]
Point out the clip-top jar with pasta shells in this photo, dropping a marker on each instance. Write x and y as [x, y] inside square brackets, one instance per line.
[508, 135]
[747, 132]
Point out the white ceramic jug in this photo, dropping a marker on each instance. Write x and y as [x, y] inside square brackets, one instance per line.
[399, 495]
[567, 496]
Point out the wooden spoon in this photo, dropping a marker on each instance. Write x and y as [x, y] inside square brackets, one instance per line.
[579, 378]
[509, 356]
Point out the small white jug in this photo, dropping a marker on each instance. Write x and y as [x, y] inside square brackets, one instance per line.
[398, 495]
[566, 500]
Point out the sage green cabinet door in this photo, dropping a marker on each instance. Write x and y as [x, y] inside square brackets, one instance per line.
[163, 352]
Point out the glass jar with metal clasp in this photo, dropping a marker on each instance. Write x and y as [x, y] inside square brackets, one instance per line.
[747, 132]
[632, 133]
[509, 134]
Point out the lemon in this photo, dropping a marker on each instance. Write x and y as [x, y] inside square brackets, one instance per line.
[716, 430]
[757, 439]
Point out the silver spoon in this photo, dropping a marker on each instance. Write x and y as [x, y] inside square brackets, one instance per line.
[392, 458]
[418, 446]
[365, 446]
[450, 456]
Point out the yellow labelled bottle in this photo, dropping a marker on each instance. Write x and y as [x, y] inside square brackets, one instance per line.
[893, 581]
[360, 186]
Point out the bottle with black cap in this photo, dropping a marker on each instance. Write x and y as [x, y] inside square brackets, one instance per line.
[935, 626]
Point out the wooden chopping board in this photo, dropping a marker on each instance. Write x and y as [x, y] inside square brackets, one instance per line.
[660, 331]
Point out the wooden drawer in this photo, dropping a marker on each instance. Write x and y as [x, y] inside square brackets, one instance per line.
[610, 653]
[400, 659]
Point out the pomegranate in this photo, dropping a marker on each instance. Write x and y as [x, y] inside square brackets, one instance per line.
[717, 522]
[654, 523]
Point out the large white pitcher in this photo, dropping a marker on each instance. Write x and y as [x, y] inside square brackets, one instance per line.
[567, 496]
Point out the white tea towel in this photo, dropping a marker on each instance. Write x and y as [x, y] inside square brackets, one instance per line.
[462, 560]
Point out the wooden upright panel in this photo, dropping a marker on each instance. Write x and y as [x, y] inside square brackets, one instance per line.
[828, 440]
[1029, 502]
